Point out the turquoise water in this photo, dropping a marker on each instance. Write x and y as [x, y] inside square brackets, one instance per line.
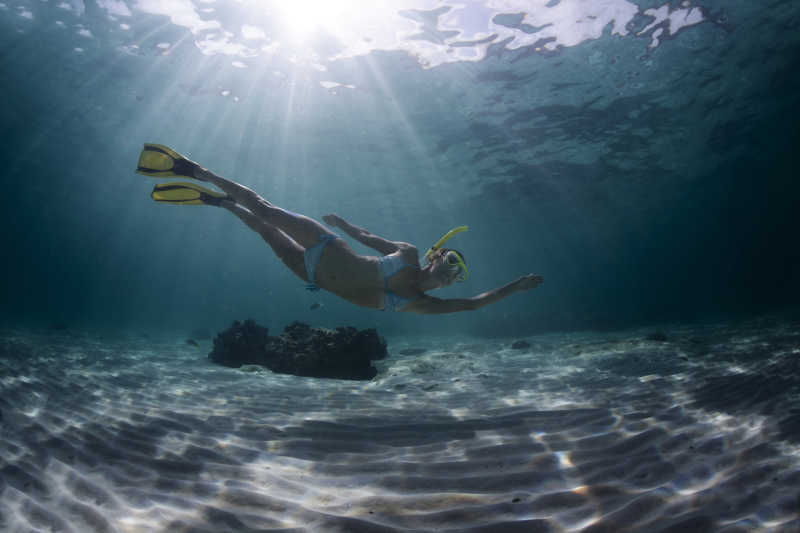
[638, 155]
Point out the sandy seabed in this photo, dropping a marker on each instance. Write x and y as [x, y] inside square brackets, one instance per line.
[592, 432]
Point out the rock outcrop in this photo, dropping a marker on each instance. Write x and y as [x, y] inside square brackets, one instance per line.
[301, 350]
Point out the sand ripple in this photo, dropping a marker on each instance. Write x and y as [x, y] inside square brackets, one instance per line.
[582, 432]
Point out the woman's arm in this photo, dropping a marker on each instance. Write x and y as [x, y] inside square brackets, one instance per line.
[366, 238]
[430, 305]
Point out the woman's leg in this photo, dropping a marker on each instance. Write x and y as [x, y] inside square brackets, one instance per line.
[287, 250]
[306, 231]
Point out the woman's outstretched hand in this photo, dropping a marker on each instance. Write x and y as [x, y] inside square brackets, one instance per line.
[332, 220]
[531, 281]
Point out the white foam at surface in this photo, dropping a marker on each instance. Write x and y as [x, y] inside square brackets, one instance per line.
[180, 12]
[334, 84]
[253, 32]
[115, 7]
[221, 43]
[463, 32]
[78, 7]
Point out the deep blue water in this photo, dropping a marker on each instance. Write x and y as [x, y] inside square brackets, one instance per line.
[638, 155]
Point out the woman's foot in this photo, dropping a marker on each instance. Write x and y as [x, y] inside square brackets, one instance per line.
[186, 193]
[202, 174]
[159, 161]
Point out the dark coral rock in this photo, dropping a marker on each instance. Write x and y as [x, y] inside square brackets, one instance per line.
[241, 344]
[301, 350]
[521, 345]
[657, 336]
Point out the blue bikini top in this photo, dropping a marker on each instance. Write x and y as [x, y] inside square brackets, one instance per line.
[389, 266]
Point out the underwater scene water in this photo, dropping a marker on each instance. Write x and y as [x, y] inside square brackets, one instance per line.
[635, 154]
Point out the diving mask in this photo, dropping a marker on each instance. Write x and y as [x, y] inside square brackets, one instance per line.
[452, 258]
[456, 263]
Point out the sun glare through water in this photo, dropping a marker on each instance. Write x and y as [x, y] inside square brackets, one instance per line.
[303, 18]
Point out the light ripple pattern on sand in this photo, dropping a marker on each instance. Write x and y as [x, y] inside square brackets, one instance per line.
[580, 432]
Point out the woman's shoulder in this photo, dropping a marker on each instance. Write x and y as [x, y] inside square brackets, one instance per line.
[407, 251]
[405, 246]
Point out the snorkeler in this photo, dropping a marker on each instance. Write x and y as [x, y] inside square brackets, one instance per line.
[393, 282]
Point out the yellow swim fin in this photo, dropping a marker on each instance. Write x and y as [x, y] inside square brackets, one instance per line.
[184, 193]
[159, 161]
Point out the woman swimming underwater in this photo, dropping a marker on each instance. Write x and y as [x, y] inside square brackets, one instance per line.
[393, 282]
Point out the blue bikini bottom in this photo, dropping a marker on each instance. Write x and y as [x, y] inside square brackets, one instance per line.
[312, 256]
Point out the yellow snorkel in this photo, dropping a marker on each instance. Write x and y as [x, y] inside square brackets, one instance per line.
[447, 236]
